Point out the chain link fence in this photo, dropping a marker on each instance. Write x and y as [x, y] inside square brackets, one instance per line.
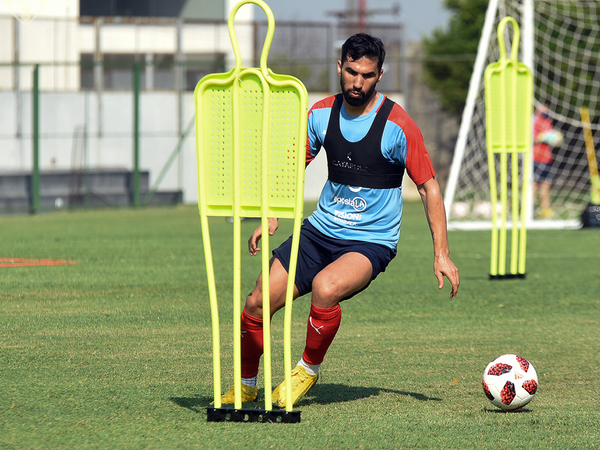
[94, 119]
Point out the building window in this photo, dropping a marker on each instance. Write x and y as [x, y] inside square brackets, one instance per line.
[157, 71]
[118, 71]
[86, 71]
[163, 71]
[199, 65]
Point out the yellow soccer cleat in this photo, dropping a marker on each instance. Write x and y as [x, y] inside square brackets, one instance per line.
[301, 383]
[249, 394]
[547, 213]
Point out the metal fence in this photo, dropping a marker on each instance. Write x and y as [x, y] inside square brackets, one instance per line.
[127, 104]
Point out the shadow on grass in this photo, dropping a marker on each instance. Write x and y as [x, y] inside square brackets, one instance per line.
[320, 394]
[196, 404]
[504, 411]
[327, 393]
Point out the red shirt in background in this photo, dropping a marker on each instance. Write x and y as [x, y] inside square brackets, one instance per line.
[542, 152]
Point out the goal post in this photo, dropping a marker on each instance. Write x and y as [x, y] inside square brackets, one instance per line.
[561, 45]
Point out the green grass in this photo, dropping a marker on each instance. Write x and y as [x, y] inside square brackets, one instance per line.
[115, 352]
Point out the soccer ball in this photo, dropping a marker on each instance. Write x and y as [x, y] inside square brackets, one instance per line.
[510, 382]
[552, 137]
[460, 210]
[483, 209]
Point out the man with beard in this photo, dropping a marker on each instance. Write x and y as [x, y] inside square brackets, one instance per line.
[353, 235]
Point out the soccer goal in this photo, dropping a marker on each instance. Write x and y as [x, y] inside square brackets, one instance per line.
[560, 43]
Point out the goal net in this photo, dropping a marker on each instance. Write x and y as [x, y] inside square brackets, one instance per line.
[560, 42]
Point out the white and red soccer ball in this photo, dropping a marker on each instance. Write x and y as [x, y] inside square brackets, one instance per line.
[460, 210]
[510, 382]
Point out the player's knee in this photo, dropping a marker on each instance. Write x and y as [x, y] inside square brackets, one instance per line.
[325, 292]
[254, 301]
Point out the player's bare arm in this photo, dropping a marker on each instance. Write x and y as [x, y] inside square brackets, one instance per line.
[253, 247]
[436, 217]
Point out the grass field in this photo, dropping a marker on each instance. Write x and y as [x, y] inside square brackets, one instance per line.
[115, 351]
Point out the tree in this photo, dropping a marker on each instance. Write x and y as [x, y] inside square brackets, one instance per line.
[450, 53]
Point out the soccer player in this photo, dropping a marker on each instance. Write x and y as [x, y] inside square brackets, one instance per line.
[542, 160]
[353, 235]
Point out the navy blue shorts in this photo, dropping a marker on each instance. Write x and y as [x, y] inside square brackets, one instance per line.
[317, 251]
[542, 172]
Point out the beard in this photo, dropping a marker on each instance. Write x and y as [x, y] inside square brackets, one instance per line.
[356, 101]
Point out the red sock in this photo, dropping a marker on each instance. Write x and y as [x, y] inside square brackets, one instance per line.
[252, 344]
[323, 324]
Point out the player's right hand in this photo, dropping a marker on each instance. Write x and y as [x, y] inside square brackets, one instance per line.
[253, 247]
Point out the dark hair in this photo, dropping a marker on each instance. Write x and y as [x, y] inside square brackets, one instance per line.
[363, 44]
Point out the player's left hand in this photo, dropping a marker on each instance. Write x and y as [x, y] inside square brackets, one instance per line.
[444, 267]
[253, 247]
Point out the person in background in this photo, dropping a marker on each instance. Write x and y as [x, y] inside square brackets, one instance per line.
[544, 138]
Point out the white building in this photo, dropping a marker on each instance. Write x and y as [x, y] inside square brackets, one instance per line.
[52, 33]
[85, 80]
[85, 50]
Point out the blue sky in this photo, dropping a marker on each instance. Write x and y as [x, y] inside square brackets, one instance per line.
[419, 16]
